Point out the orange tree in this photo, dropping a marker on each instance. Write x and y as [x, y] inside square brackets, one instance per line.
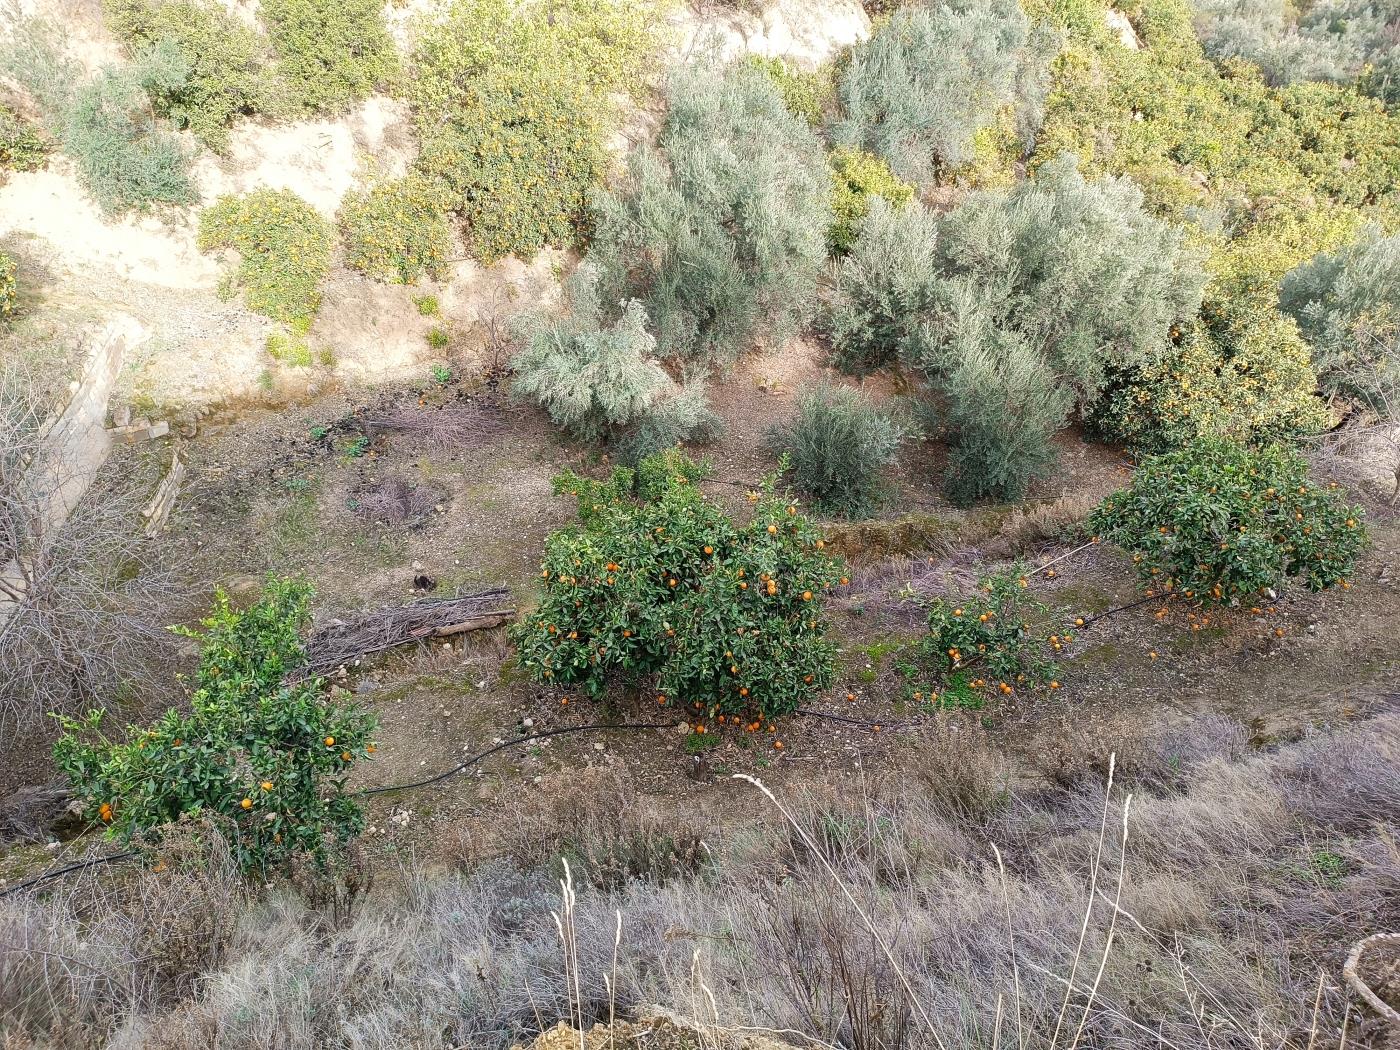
[1217, 521]
[984, 640]
[265, 758]
[657, 586]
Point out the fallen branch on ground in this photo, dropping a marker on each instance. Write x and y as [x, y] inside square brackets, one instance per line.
[340, 643]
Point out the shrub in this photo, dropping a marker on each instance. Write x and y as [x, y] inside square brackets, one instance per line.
[807, 94]
[9, 294]
[396, 231]
[1015, 305]
[1217, 522]
[439, 337]
[125, 159]
[682, 414]
[428, 305]
[1003, 404]
[264, 756]
[592, 377]
[720, 233]
[986, 640]
[930, 78]
[1190, 135]
[224, 57]
[1335, 40]
[284, 249]
[656, 586]
[291, 348]
[598, 377]
[512, 104]
[884, 287]
[837, 448]
[1347, 306]
[22, 147]
[1078, 270]
[330, 52]
[856, 178]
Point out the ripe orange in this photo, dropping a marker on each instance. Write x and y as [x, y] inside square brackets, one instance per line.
[247, 803]
[330, 741]
[772, 530]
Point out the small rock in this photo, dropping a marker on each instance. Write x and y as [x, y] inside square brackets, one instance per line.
[597, 747]
[528, 722]
[417, 566]
[366, 685]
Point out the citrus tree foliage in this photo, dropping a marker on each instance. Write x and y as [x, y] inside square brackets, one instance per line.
[1269, 176]
[224, 58]
[931, 77]
[1216, 522]
[284, 252]
[330, 53]
[1334, 40]
[838, 448]
[985, 640]
[1014, 305]
[807, 93]
[720, 230]
[396, 231]
[264, 756]
[512, 103]
[857, 178]
[1347, 305]
[656, 587]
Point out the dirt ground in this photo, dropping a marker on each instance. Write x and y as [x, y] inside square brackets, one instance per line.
[278, 491]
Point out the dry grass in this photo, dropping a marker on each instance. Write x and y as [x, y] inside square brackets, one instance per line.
[1223, 906]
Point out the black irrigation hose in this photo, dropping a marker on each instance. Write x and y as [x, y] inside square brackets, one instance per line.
[92, 862]
[515, 743]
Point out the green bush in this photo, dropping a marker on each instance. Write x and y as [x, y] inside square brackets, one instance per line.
[1003, 404]
[656, 587]
[266, 758]
[22, 147]
[1347, 306]
[1016, 306]
[284, 249]
[856, 178]
[9, 294]
[592, 377]
[930, 78]
[597, 376]
[807, 94]
[428, 305]
[512, 106]
[984, 640]
[330, 53]
[1217, 522]
[682, 415]
[719, 231]
[396, 231]
[837, 450]
[225, 58]
[884, 287]
[125, 159]
[290, 348]
[1272, 177]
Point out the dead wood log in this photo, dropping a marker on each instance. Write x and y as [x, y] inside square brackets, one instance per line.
[340, 643]
[1351, 971]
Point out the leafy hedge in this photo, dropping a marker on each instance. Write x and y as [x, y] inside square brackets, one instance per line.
[227, 74]
[22, 147]
[330, 53]
[856, 177]
[656, 588]
[284, 250]
[8, 291]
